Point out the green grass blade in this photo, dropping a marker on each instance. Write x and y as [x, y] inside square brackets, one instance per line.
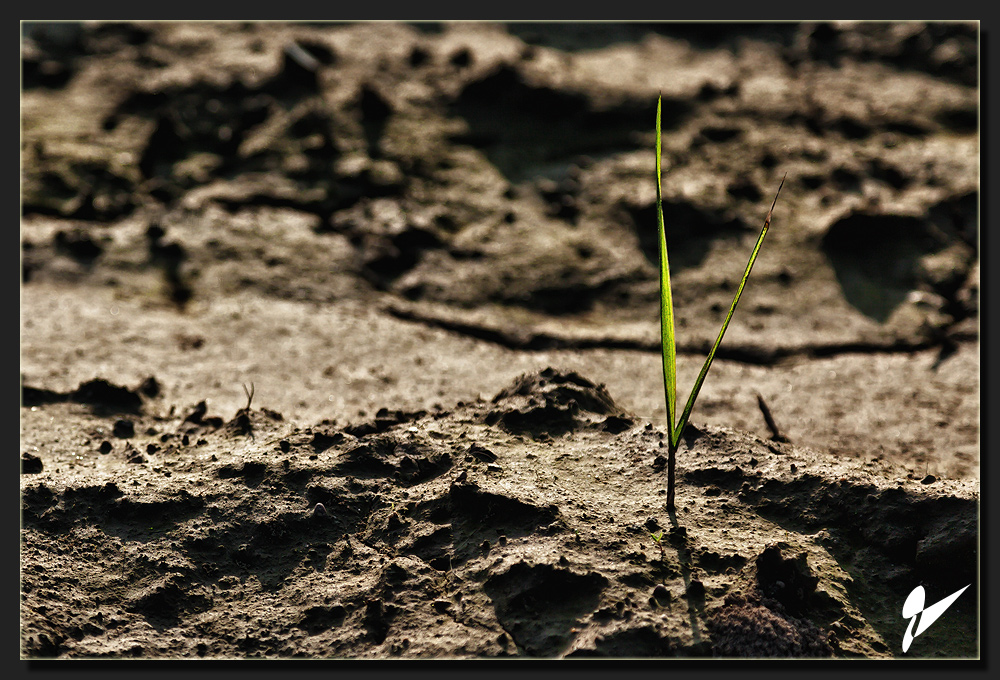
[668, 348]
[675, 441]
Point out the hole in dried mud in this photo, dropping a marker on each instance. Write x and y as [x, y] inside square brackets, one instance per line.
[526, 129]
[539, 604]
[877, 279]
[164, 602]
[691, 229]
[319, 618]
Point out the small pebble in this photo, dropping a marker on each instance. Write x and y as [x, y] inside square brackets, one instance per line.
[320, 509]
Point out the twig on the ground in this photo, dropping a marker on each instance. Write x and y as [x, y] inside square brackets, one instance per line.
[769, 419]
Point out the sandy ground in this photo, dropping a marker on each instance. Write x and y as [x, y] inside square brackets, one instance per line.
[342, 341]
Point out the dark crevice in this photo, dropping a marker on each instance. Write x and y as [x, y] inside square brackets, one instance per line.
[755, 356]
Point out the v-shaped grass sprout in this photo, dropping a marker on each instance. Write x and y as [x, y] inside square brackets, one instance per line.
[667, 343]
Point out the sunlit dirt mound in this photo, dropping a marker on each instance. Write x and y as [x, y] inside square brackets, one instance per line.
[528, 525]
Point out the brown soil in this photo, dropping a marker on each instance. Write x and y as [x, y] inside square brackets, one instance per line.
[342, 340]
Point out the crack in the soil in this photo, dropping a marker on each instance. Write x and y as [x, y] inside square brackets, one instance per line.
[534, 341]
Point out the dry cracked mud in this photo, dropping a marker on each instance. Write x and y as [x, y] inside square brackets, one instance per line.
[341, 340]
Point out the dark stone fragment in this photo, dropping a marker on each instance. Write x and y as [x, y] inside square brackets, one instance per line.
[30, 464]
[123, 429]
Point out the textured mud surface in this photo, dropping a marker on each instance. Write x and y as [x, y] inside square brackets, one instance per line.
[431, 251]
